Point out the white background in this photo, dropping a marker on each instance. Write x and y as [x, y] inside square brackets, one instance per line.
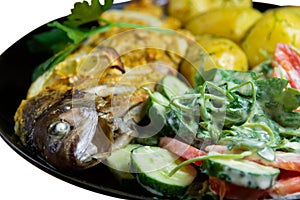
[18, 178]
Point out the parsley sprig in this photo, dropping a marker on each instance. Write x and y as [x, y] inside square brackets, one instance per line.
[83, 13]
[65, 37]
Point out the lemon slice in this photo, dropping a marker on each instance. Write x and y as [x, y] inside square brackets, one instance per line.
[60, 78]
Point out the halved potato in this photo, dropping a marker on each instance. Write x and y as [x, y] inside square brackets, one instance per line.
[145, 6]
[223, 53]
[184, 10]
[232, 23]
[277, 25]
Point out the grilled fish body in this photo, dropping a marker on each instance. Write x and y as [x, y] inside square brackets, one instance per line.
[84, 108]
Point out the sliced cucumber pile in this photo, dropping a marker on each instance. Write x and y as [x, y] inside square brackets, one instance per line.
[152, 166]
[241, 172]
[119, 162]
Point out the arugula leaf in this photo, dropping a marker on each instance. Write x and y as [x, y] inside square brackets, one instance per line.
[185, 126]
[290, 133]
[273, 92]
[237, 111]
[270, 88]
[228, 79]
[221, 76]
[279, 102]
[287, 119]
[290, 98]
[83, 13]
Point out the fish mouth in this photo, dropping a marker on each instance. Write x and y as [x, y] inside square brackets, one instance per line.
[93, 147]
[91, 156]
[87, 143]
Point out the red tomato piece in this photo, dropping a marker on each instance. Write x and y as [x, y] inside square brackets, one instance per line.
[231, 191]
[286, 174]
[284, 187]
[284, 160]
[181, 149]
[287, 64]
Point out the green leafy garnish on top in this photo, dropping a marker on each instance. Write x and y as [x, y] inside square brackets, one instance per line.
[65, 37]
[83, 13]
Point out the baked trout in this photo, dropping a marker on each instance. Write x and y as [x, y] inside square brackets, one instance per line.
[85, 107]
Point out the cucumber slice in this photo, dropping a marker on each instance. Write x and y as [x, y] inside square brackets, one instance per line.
[153, 107]
[119, 162]
[159, 98]
[241, 172]
[171, 86]
[155, 110]
[152, 166]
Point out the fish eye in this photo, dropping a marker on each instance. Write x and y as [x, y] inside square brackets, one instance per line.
[59, 129]
[66, 108]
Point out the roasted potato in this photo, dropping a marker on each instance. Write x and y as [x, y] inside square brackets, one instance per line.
[277, 25]
[145, 6]
[232, 23]
[184, 10]
[223, 52]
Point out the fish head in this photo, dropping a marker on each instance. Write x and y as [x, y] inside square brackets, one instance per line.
[69, 136]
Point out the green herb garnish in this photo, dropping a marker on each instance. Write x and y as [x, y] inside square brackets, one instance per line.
[65, 37]
[83, 13]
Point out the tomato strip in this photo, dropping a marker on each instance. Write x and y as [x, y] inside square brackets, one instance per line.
[285, 186]
[231, 191]
[181, 149]
[287, 64]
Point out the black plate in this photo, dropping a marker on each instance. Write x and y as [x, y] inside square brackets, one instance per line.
[16, 66]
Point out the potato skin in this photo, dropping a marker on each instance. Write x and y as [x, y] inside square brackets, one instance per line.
[184, 10]
[145, 6]
[223, 53]
[277, 25]
[232, 23]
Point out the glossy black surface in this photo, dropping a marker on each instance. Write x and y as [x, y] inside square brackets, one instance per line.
[16, 67]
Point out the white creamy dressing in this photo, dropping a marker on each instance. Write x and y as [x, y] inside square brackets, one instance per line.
[248, 174]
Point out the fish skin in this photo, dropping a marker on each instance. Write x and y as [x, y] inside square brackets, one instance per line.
[32, 125]
[108, 106]
[72, 150]
[96, 103]
[29, 110]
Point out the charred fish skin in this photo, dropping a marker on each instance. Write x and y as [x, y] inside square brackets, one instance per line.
[29, 110]
[70, 131]
[63, 131]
